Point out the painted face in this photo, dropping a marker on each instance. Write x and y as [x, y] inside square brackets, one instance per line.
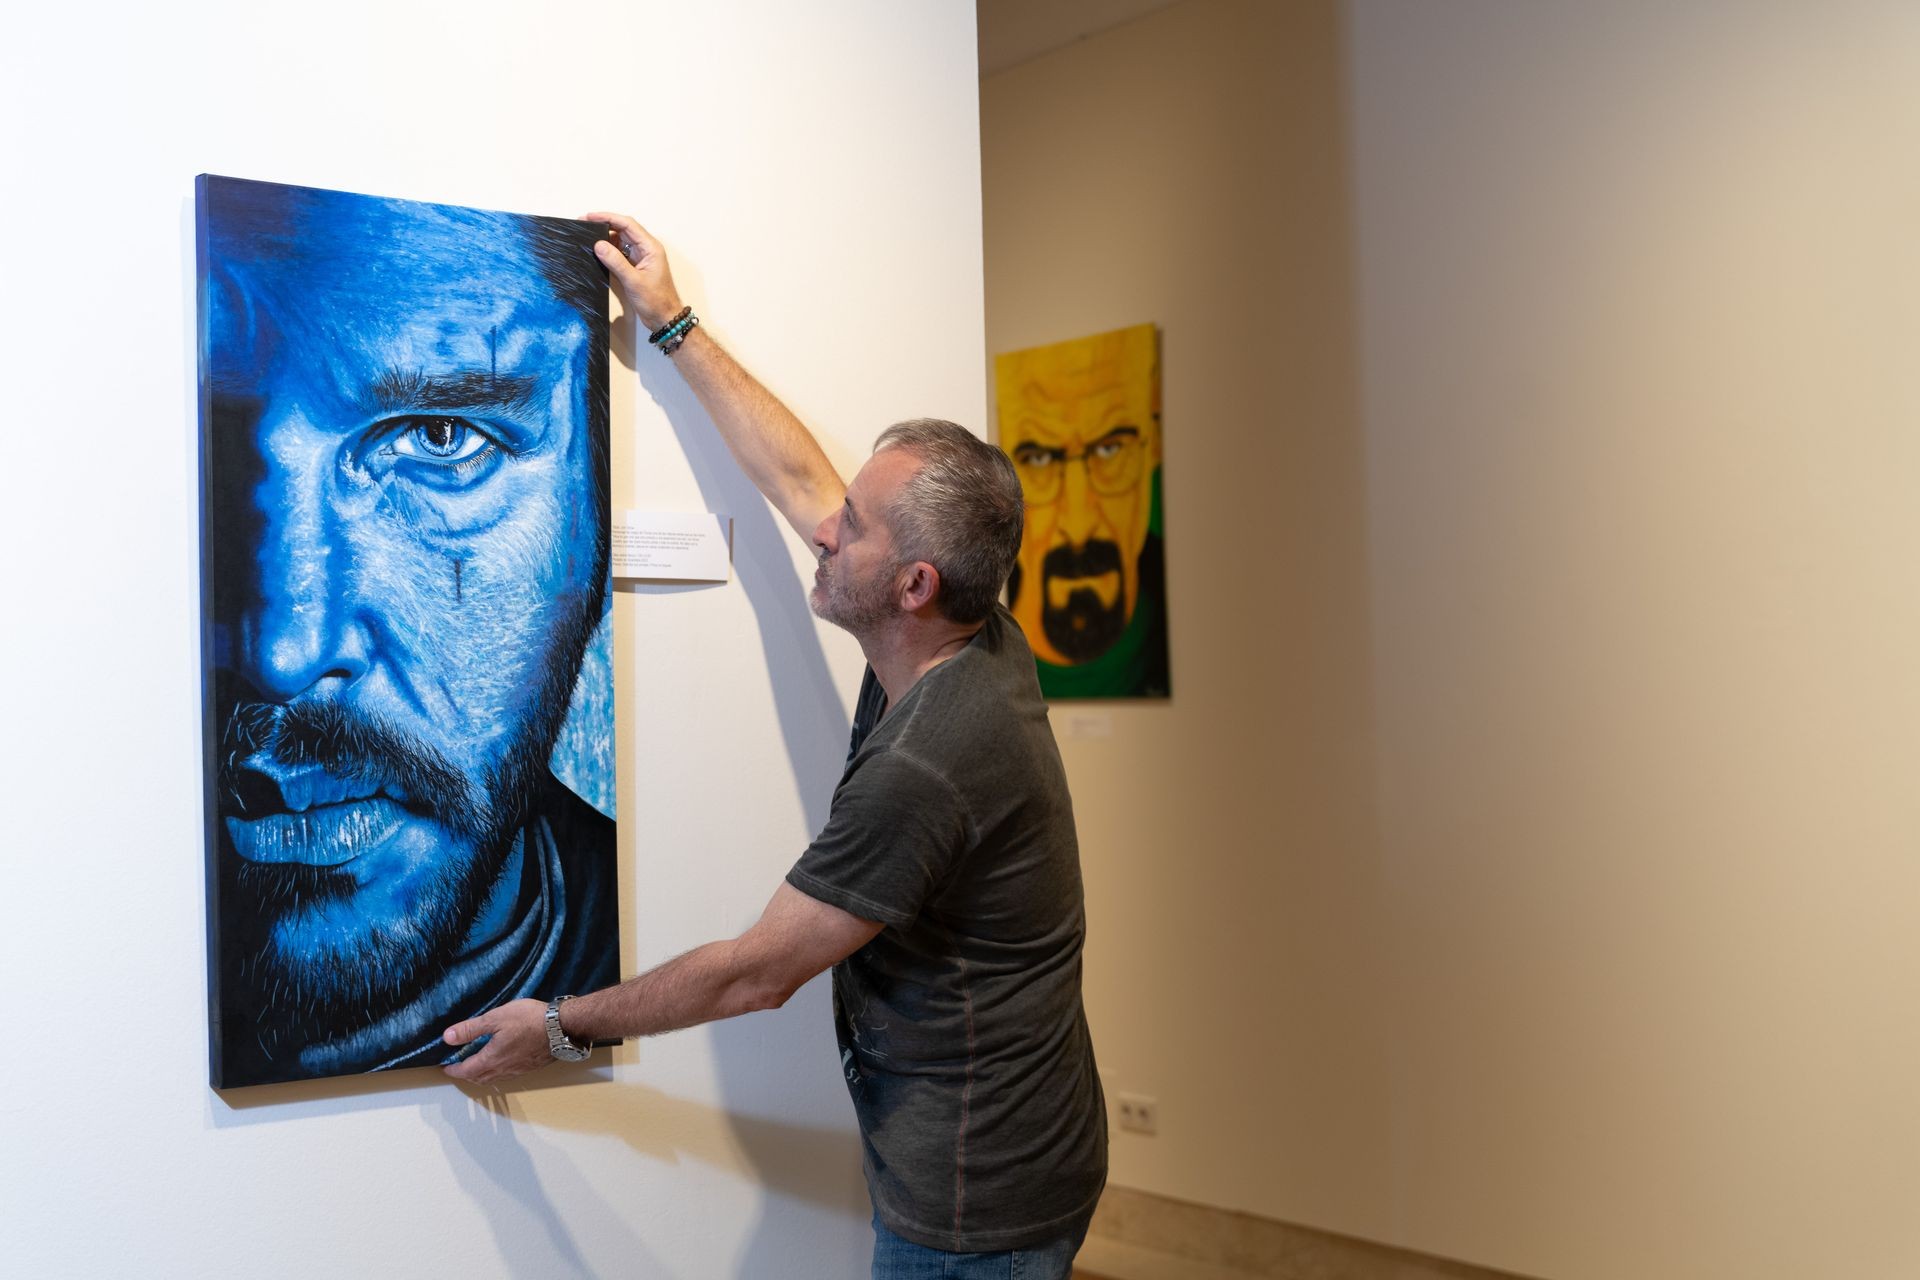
[405, 524]
[855, 586]
[1080, 422]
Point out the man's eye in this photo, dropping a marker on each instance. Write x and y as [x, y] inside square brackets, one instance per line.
[445, 440]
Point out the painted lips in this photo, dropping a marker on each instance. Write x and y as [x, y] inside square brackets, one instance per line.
[325, 835]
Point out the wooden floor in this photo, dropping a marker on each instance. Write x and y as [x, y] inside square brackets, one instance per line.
[1138, 1236]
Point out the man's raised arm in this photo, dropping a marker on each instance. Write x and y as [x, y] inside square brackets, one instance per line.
[772, 446]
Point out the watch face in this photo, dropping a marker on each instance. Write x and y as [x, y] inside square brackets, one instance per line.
[567, 1053]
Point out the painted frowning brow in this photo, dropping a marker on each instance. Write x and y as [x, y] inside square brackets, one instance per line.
[401, 390]
[1060, 453]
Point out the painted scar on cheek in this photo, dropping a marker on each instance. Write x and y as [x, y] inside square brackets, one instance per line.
[459, 567]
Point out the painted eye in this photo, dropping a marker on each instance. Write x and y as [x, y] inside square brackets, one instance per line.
[1107, 450]
[1032, 455]
[436, 439]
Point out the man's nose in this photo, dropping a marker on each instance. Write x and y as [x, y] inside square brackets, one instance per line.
[301, 635]
[826, 531]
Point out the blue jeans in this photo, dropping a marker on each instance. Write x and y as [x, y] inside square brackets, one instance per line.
[897, 1259]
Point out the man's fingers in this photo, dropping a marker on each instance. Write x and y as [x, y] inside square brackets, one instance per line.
[638, 266]
[636, 245]
[621, 223]
[479, 1066]
[633, 237]
[615, 261]
[463, 1032]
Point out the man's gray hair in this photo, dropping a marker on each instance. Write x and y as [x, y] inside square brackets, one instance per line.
[961, 513]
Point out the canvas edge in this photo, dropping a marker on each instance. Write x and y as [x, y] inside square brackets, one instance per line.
[209, 731]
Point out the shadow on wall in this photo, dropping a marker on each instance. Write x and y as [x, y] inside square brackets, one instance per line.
[493, 1161]
[539, 1211]
[813, 723]
[755, 1057]
[547, 1218]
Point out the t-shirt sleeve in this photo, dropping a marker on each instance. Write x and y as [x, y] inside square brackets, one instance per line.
[896, 829]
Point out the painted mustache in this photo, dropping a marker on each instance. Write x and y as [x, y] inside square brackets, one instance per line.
[318, 782]
[1090, 561]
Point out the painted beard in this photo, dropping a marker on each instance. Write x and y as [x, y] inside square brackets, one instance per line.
[1080, 626]
[303, 983]
[305, 980]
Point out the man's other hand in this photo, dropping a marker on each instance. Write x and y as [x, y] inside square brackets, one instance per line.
[518, 1042]
[639, 268]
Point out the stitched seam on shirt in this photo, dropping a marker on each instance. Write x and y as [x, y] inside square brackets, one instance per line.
[966, 1094]
[882, 914]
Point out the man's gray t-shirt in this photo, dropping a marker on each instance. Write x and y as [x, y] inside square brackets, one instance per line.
[961, 1029]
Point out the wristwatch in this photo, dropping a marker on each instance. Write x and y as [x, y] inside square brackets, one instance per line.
[557, 1043]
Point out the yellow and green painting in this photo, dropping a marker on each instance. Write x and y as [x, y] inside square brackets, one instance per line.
[1081, 421]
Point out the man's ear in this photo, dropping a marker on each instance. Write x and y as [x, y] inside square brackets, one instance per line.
[919, 586]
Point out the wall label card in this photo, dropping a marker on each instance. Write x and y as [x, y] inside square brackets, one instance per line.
[672, 546]
[1092, 726]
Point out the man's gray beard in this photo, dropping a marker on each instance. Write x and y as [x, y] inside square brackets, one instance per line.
[859, 607]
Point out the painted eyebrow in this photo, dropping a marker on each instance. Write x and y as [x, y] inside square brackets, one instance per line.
[399, 389]
[1111, 433]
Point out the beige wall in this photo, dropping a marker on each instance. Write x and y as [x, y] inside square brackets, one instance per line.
[1525, 869]
[1639, 293]
[1186, 169]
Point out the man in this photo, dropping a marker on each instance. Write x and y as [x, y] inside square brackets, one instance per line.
[945, 888]
[405, 417]
[1081, 420]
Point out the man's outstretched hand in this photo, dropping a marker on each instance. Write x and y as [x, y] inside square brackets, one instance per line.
[639, 268]
[518, 1045]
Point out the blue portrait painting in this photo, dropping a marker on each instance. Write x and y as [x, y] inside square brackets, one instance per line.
[404, 478]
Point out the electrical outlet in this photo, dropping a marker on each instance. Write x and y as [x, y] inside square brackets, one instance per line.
[1138, 1112]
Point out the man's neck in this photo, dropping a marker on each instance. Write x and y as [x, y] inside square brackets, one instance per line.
[908, 646]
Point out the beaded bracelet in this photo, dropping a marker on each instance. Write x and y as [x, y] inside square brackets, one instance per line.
[661, 332]
[676, 328]
[671, 343]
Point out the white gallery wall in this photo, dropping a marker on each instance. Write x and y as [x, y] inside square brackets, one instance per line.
[815, 172]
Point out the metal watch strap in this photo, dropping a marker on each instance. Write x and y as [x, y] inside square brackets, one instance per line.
[559, 1043]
